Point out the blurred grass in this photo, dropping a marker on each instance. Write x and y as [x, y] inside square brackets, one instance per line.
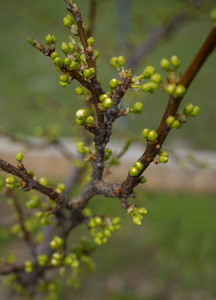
[26, 74]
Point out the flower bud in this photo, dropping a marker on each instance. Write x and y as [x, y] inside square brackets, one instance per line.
[43, 260]
[179, 91]
[170, 88]
[148, 72]
[142, 210]
[73, 66]
[83, 58]
[188, 108]
[64, 48]
[149, 87]
[107, 103]
[152, 136]
[175, 61]
[113, 83]
[58, 61]
[72, 47]
[156, 77]
[137, 220]
[145, 132]
[103, 97]
[95, 54]
[195, 111]
[164, 63]
[163, 159]
[143, 179]
[81, 114]
[90, 41]
[28, 266]
[64, 78]
[54, 55]
[67, 61]
[138, 165]
[63, 83]
[89, 120]
[19, 157]
[133, 171]
[79, 90]
[170, 120]
[121, 61]
[137, 108]
[176, 124]
[49, 39]
[67, 22]
[114, 62]
[87, 73]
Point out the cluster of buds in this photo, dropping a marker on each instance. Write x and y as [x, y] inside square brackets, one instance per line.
[83, 119]
[151, 86]
[102, 228]
[106, 102]
[12, 183]
[161, 157]
[82, 148]
[136, 169]
[137, 214]
[150, 135]
[107, 153]
[118, 62]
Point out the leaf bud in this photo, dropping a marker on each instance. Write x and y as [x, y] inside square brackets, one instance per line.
[175, 61]
[81, 114]
[133, 171]
[139, 165]
[79, 90]
[156, 77]
[54, 55]
[165, 65]
[179, 91]
[90, 41]
[49, 39]
[170, 120]
[58, 61]
[152, 136]
[114, 62]
[113, 83]
[145, 132]
[64, 78]
[19, 157]
[176, 124]
[64, 48]
[121, 61]
[137, 108]
[31, 41]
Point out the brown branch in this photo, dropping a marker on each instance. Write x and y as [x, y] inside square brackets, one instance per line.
[171, 110]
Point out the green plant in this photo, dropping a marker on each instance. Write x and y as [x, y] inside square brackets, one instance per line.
[62, 212]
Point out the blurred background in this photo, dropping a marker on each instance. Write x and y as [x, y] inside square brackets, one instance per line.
[172, 256]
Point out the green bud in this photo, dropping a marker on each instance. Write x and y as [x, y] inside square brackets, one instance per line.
[64, 48]
[176, 124]
[89, 120]
[83, 58]
[75, 264]
[57, 242]
[95, 54]
[156, 77]
[98, 221]
[103, 97]
[113, 83]
[170, 120]
[74, 65]
[90, 41]
[49, 39]
[149, 87]
[67, 61]
[34, 202]
[87, 73]
[107, 103]
[10, 180]
[58, 61]
[148, 72]
[114, 62]
[81, 114]
[195, 111]
[45, 220]
[79, 91]
[63, 83]
[145, 132]
[142, 210]
[28, 266]
[179, 91]
[19, 157]
[53, 39]
[163, 159]
[72, 47]
[64, 78]
[133, 171]
[213, 14]
[137, 220]
[188, 108]
[92, 70]
[138, 165]
[97, 241]
[137, 108]
[152, 136]
[54, 55]
[143, 179]
[107, 154]
[31, 41]
[175, 61]
[121, 61]
[164, 63]
[67, 22]
[42, 260]
[43, 181]
[116, 221]
[170, 88]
